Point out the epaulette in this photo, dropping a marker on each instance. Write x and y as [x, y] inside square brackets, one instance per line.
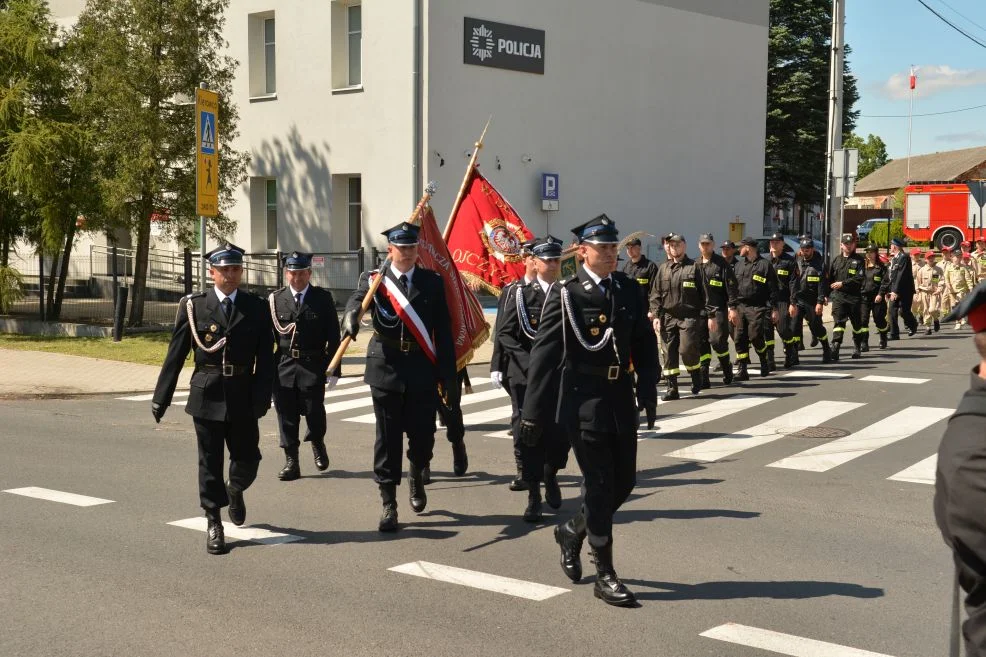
[566, 281]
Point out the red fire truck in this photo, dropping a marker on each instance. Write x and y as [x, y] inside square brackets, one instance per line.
[944, 214]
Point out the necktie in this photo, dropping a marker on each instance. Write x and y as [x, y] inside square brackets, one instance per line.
[604, 286]
[227, 307]
[403, 280]
[297, 300]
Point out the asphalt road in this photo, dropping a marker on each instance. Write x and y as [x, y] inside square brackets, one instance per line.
[823, 548]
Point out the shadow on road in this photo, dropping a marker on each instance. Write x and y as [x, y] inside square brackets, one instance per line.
[408, 530]
[726, 590]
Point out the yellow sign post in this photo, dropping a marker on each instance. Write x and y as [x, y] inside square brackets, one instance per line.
[207, 153]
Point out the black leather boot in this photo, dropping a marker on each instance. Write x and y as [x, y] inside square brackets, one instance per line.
[321, 456]
[771, 364]
[864, 344]
[835, 351]
[569, 536]
[608, 587]
[388, 519]
[552, 492]
[706, 383]
[696, 381]
[416, 484]
[651, 416]
[237, 506]
[826, 352]
[518, 483]
[937, 326]
[814, 340]
[460, 460]
[426, 475]
[741, 372]
[765, 363]
[533, 511]
[857, 348]
[727, 370]
[215, 538]
[795, 356]
[291, 470]
[883, 340]
[672, 392]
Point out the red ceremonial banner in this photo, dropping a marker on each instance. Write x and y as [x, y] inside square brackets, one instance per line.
[486, 236]
[469, 327]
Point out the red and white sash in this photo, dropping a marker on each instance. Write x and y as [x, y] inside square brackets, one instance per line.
[407, 313]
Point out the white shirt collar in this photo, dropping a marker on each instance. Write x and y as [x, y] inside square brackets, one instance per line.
[295, 293]
[221, 296]
[544, 284]
[592, 275]
[409, 273]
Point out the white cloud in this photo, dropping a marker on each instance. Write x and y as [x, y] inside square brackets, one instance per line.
[932, 80]
[978, 136]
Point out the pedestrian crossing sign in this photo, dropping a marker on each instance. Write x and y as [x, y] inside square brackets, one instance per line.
[206, 150]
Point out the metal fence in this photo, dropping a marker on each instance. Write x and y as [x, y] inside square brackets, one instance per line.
[93, 278]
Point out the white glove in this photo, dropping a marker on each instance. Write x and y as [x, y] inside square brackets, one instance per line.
[496, 378]
[331, 382]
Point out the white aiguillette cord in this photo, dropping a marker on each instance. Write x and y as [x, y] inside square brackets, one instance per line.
[195, 334]
[283, 330]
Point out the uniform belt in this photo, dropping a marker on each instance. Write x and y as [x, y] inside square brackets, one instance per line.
[227, 370]
[405, 346]
[304, 353]
[610, 372]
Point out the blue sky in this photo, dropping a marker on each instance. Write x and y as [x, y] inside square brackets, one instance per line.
[886, 37]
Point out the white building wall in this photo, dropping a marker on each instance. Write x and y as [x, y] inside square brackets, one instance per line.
[651, 114]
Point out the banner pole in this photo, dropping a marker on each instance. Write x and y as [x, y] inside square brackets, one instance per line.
[465, 181]
[368, 297]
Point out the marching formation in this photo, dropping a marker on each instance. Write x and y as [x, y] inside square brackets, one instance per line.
[580, 357]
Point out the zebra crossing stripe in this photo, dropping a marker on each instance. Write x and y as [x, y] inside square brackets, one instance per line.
[887, 431]
[348, 381]
[922, 472]
[57, 496]
[893, 379]
[150, 396]
[700, 415]
[252, 534]
[499, 434]
[371, 418]
[783, 644]
[814, 374]
[477, 580]
[723, 446]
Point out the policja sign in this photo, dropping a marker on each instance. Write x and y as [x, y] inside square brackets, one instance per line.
[498, 45]
[207, 153]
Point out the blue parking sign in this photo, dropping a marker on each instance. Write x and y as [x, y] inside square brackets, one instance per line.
[549, 186]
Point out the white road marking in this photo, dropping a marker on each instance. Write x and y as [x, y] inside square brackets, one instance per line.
[499, 434]
[814, 374]
[887, 431]
[893, 379]
[477, 580]
[783, 644]
[474, 398]
[58, 496]
[253, 534]
[150, 396]
[775, 429]
[922, 472]
[701, 414]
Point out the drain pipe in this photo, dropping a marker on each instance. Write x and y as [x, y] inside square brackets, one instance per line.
[417, 162]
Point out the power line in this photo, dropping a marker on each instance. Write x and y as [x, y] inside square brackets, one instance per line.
[904, 116]
[963, 16]
[953, 25]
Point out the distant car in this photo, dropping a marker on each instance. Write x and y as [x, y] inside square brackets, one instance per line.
[865, 228]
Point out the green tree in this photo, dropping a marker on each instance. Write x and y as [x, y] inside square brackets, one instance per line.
[797, 100]
[872, 153]
[45, 157]
[139, 63]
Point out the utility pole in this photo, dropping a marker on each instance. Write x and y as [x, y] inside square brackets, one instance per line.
[833, 204]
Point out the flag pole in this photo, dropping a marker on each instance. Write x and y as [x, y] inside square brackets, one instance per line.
[910, 114]
[368, 297]
[465, 181]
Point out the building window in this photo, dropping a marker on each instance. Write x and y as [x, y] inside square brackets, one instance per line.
[355, 24]
[270, 70]
[355, 207]
[271, 214]
[262, 55]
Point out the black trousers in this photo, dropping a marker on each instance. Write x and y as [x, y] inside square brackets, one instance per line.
[609, 472]
[551, 450]
[293, 403]
[450, 411]
[847, 309]
[753, 321]
[902, 308]
[806, 312]
[786, 326]
[411, 412]
[878, 311]
[715, 343]
[515, 408]
[683, 338]
[241, 435]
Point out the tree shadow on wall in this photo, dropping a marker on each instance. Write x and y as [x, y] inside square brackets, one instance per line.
[304, 183]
